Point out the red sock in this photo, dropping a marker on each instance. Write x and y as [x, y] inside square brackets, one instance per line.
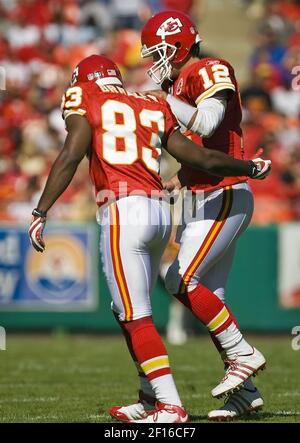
[129, 345]
[146, 345]
[208, 308]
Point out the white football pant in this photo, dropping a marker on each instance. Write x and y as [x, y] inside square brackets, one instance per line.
[134, 233]
[213, 221]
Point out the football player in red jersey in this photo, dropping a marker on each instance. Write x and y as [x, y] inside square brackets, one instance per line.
[122, 134]
[204, 96]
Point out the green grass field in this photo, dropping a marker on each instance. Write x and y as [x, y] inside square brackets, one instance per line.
[69, 378]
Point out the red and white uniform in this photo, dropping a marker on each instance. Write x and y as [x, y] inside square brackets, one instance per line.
[128, 131]
[223, 210]
[195, 83]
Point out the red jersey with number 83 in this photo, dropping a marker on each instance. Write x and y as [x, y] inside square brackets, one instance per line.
[196, 82]
[129, 130]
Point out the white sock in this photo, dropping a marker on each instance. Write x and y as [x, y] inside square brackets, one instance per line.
[165, 390]
[233, 342]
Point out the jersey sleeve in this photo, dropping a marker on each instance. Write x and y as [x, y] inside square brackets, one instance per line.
[74, 101]
[210, 77]
[171, 123]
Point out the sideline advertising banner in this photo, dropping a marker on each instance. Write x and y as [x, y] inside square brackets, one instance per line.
[289, 265]
[63, 278]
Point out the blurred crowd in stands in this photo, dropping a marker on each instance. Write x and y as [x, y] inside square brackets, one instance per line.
[271, 103]
[42, 41]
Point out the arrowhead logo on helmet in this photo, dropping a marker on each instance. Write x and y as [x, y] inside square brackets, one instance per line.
[169, 27]
[168, 37]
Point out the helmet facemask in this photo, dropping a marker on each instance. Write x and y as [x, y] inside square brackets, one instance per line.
[161, 69]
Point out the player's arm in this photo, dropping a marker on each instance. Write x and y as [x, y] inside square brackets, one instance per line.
[75, 148]
[203, 119]
[209, 86]
[214, 162]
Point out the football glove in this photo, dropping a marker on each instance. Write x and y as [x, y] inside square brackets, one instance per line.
[36, 230]
[259, 168]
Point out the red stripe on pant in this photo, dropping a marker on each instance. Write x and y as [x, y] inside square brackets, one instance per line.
[209, 239]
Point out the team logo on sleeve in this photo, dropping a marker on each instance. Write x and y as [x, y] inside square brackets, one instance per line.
[74, 76]
[179, 87]
[169, 27]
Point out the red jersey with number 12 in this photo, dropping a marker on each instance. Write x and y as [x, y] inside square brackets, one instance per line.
[196, 82]
[128, 130]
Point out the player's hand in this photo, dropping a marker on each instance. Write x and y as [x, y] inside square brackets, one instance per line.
[259, 168]
[36, 230]
[172, 187]
[157, 93]
[173, 184]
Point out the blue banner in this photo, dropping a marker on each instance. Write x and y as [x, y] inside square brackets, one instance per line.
[63, 278]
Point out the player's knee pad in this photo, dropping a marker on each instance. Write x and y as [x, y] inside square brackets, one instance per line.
[173, 281]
